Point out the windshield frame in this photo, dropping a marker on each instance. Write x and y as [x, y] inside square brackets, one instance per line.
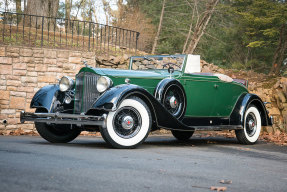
[150, 56]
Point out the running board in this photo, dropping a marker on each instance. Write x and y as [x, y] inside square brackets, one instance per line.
[217, 127]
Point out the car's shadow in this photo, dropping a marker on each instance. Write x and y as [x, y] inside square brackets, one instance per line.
[152, 141]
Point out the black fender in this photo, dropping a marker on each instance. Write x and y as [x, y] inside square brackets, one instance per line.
[111, 99]
[163, 85]
[43, 98]
[246, 99]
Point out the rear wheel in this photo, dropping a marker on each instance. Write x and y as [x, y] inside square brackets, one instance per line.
[252, 127]
[129, 125]
[182, 135]
[56, 133]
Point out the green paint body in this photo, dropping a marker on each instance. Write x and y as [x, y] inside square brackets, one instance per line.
[207, 96]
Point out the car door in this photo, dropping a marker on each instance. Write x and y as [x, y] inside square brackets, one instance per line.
[201, 95]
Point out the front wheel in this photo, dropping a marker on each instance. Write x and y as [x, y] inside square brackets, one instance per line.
[56, 133]
[129, 125]
[252, 127]
[182, 135]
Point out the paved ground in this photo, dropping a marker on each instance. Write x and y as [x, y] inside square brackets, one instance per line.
[161, 164]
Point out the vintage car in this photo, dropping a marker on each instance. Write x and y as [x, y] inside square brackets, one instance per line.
[163, 91]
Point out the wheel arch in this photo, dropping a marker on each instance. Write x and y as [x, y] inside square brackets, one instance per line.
[112, 98]
[243, 102]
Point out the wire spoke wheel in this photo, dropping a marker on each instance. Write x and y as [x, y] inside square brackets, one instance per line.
[127, 122]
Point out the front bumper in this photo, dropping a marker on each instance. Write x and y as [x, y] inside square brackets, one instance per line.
[64, 118]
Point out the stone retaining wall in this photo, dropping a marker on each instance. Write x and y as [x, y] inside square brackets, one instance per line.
[24, 70]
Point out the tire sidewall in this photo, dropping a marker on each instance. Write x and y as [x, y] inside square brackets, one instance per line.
[253, 138]
[117, 141]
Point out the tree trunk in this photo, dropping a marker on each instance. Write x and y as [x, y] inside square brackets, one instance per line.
[68, 5]
[280, 51]
[201, 26]
[18, 6]
[159, 28]
[48, 8]
[190, 27]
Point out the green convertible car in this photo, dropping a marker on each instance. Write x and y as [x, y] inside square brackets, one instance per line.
[163, 91]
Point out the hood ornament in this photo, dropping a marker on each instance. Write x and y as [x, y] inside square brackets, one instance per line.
[86, 64]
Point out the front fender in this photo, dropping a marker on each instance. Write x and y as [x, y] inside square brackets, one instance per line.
[237, 115]
[112, 98]
[43, 98]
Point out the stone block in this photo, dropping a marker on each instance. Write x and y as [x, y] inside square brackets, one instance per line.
[5, 69]
[14, 83]
[26, 52]
[47, 79]
[32, 74]
[2, 52]
[12, 77]
[3, 87]
[55, 69]
[18, 94]
[29, 79]
[26, 59]
[8, 111]
[26, 89]
[12, 88]
[38, 52]
[75, 60]
[17, 103]
[48, 61]
[2, 82]
[63, 54]
[4, 95]
[69, 66]
[4, 102]
[19, 72]
[41, 67]
[6, 60]
[75, 54]
[49, 53]
[19, 66]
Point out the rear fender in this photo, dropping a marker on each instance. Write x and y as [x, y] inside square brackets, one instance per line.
[244, 101]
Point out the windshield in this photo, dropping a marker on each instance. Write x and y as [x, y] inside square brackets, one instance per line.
[157, 62]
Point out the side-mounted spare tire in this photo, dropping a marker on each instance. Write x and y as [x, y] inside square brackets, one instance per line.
[129, 125]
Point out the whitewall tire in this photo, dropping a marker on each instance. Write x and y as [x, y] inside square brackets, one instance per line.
[129, 125]
[252, 127]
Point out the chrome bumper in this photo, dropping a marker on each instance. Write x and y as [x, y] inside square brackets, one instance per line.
[64, 118]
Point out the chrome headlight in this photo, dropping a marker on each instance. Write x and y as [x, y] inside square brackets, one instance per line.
[66, 83]
[104, 83]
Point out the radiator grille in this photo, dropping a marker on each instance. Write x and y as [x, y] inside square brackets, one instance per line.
[86, 91]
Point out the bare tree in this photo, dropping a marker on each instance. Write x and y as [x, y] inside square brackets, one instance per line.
[68, 6]
[159, 28]
[195, 10]
[107, 10]
[200, 26]
[48, 8]
[18, 6]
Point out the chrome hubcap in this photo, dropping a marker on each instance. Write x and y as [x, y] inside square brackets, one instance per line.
[127, 122]
[173, 102]
[251, 124]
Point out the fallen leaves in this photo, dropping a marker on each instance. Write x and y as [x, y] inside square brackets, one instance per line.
[277, 138]
[225, 181]
[215, 188]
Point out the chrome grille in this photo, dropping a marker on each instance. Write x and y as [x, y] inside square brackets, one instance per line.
[86, 91]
